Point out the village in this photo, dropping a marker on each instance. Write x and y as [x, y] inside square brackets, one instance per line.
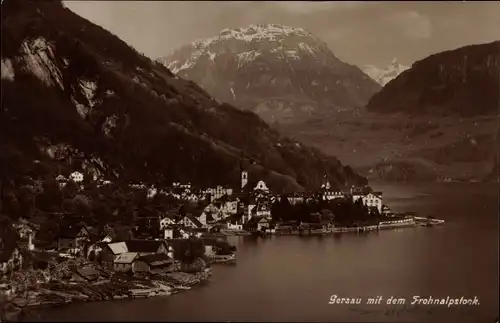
[160, 244]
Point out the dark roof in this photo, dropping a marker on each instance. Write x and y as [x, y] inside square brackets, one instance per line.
[143, 245]
[226, 198]
[101, 244]
[88, 273]
[194, 220]
[254, 220]
[177, 242]
[156, 259]
[233, 218]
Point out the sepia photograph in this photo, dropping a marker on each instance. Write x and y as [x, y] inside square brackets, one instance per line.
[249, 161]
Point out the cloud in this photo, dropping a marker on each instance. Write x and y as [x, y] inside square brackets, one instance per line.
[411, 24]
[308, 7]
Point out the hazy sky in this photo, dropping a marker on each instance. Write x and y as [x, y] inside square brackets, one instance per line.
[357, 32]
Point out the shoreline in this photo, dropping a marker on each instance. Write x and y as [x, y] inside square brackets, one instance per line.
[108, 287]
[417, 222]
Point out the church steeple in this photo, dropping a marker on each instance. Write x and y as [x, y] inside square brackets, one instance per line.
[326, 183]
[243, 174]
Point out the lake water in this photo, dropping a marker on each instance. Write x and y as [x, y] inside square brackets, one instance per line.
[292, 278]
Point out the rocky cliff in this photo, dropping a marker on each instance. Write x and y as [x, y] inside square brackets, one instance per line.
[73, 91]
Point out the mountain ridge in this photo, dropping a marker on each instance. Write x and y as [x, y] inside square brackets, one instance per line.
[86, 89]
[446, 83]
[282, 73]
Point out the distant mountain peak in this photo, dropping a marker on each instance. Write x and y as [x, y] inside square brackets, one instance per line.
[282, 73]
[385, 75]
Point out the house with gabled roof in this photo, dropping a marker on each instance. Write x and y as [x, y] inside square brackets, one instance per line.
[190, 221]
[295, 198]
[262, 210]
[386, 211]
[373, 199]
[74, 238]
[123, 262]
[141, 247]
[153, 264]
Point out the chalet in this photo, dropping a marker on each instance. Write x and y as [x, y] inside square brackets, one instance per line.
[228, 205]
[153, 264]
[261, 186]
[234, 222]
[263, 224]
[166, 221]
[123, 262]
[168, 232]
[61, 181]
[386, 211]
[262, 210]
[76, 177]
[74, 239]
[206, 218]
[189, 221]
[257, 224]
[146, 247]
[141, 247]
[10, 258]
[94, 250]
[373, 199]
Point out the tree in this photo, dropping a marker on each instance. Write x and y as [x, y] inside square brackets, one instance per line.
[70, 189]
[51, 197]
[188, 250]
[327, 215]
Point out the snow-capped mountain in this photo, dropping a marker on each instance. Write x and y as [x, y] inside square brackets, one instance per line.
[282, 73]
[384, 76]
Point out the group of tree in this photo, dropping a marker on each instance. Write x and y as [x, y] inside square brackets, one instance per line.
[339, 211]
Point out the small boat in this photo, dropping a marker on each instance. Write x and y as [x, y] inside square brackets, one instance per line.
[180, 287]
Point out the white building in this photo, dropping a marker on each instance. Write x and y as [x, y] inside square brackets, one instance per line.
[152, 192]
[218, 192]
[373, 199]
[238, 225]
[61, 181]
[76, 177]
[168, 232]
[244, 179]
[261, 186]
[166, 222]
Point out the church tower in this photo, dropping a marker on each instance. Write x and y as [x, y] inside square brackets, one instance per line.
[244, 178]
[326, 183]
